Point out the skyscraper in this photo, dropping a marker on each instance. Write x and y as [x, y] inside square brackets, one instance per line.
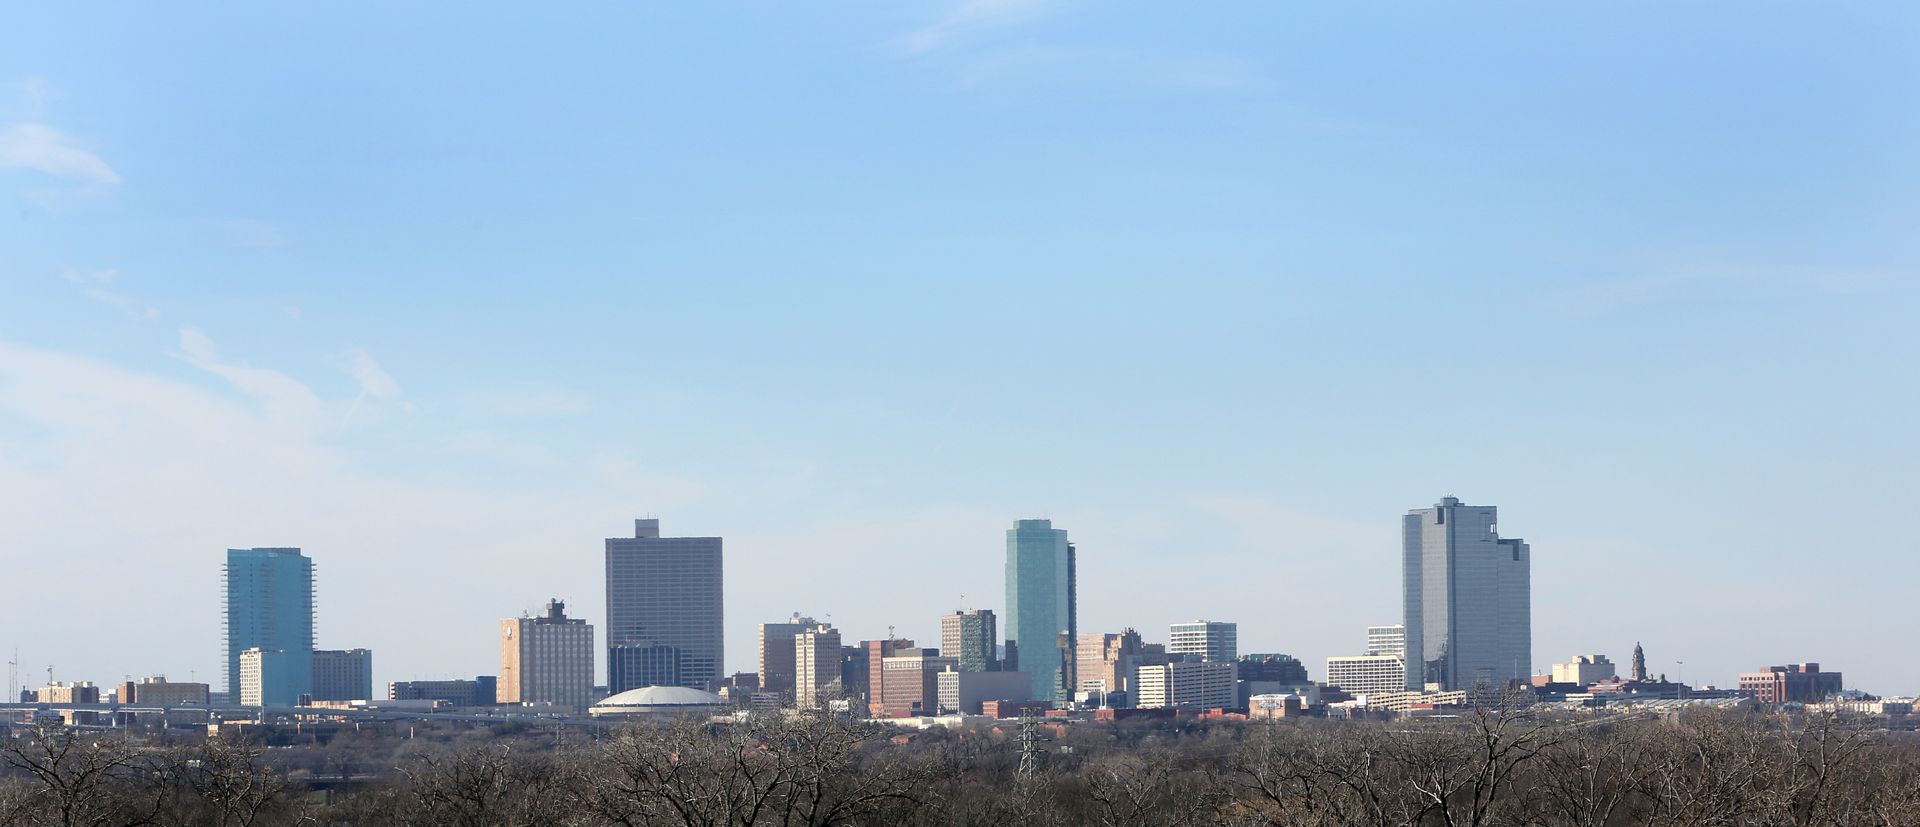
[1211, 640]
[665, 606]
[270, 607]
[970, 638]
[777, 656]
[546, 659]
[877, 652]
[816, 666]
[1041, 606]
[1468, 611]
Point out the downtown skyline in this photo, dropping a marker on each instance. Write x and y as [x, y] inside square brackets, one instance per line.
[854, 289]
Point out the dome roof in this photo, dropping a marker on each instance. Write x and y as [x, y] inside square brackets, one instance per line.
[660, 697]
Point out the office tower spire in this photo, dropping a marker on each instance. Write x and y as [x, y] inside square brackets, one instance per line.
[1468, 610]
[1041, 607]
[665, 610]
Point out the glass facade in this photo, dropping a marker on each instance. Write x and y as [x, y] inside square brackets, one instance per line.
[1468, 608]
[269, 593]
[1041, 606]
[638, 665]
[971, 638]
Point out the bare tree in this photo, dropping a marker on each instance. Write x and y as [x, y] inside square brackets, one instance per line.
[482, 786]
[85, 779]
[231, 784]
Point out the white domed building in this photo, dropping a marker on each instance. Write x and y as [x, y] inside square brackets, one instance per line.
[654, 701]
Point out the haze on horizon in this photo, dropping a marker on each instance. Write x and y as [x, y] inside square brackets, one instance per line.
[445, 296]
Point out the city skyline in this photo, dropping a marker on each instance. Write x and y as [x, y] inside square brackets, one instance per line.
[1026, 535]
[854, 287]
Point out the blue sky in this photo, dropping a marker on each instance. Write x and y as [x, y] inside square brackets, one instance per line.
[446, 295]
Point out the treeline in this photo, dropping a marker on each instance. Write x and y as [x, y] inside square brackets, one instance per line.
[1698, 769]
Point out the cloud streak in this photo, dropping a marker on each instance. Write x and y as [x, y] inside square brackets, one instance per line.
[93, 283]
[287, 401]
[44, 149]
[969, 18]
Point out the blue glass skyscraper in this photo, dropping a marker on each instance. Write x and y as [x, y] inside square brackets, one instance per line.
[270, 606]
[1041, 595]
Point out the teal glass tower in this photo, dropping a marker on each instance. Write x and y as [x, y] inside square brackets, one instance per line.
[1041, 607]
[269, 595]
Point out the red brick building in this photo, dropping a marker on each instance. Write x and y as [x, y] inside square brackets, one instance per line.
[1794, 683]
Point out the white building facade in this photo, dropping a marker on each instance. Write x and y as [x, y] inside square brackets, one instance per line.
[1367, 674]
[1186, 685]
[1211, 640]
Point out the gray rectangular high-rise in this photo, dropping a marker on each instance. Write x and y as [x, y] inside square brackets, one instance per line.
[664, 600]
[1469, 616]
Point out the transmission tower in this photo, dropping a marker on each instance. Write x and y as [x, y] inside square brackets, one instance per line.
[1030, 749]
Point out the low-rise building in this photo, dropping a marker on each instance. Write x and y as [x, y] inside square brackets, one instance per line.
[76, 692]
[1276, 706]
[158, 691]
[1406, 701]
[1865, 706]
[1794, 683]
[480, 691]
[967, 692]
[1584, 670]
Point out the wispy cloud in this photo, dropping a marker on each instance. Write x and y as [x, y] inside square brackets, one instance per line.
[287, 401]
[1141, 70]
[93, 284]
[44, 149]
[971, 17]
[960, 37]
[374, 381]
